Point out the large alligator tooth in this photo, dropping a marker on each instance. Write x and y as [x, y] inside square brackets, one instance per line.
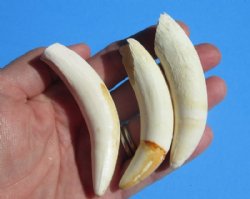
[156, 113]
[184, 73]
[97, 107]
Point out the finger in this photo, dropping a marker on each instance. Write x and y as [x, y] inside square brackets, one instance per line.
[204, 143]
[209, 54]
[108, 62]
[127, 105]
[216, 88]
[165, 170]
[31, 75]
[184, 27]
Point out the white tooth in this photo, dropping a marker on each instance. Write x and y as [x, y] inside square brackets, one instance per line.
[186, 79]
[156, 112]
[97, 107]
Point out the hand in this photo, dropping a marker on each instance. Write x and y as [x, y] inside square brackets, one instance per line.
[44, 142]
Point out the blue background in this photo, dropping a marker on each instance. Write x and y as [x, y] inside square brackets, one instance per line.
[223, 171]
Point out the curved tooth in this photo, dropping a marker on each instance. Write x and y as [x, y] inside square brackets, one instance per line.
[186, 79]
[156, 113]
[97, 107]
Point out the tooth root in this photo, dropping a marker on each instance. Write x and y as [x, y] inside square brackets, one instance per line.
[97, 108]
[146, 160]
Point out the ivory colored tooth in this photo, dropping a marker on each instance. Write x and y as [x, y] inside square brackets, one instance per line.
[96, 106]
[186, 79]
[156, 113]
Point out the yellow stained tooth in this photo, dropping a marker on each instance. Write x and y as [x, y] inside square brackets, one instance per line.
[147, 158]
[156, 112]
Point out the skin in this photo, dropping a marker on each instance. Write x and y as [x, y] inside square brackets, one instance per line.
[44, 143]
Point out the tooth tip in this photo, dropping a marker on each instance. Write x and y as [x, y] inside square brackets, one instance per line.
[146, 160]
[100, 187]
[175, 164]
[125, 185]
[102, 175]
[127, 182]
[99, 192]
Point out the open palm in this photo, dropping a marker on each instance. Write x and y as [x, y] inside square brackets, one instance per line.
[44, 143]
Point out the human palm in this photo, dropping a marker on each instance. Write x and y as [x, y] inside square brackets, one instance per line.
[44, 142]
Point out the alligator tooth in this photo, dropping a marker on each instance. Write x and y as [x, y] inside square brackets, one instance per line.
[97, 107]
[185, 76]
[156, 113]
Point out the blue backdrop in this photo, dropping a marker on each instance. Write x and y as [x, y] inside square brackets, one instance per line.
[223, 171]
